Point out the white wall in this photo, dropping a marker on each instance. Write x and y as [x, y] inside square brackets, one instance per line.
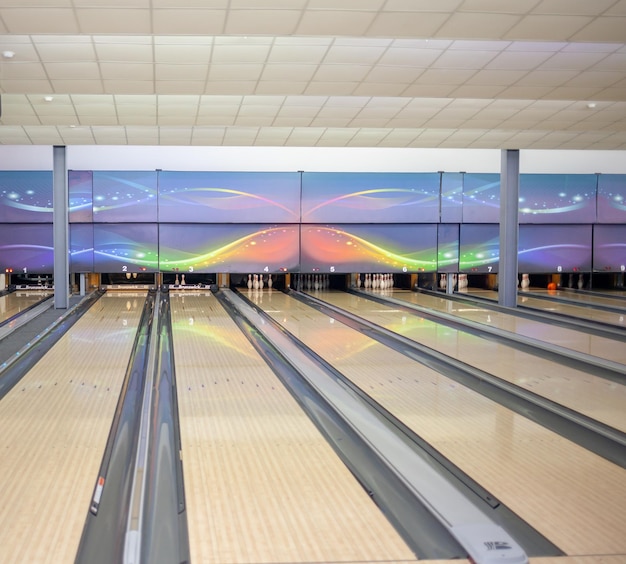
[99, 157]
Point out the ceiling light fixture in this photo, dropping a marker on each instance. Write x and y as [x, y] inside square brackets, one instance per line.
[8, 54]
[591, 105]
[48, 98]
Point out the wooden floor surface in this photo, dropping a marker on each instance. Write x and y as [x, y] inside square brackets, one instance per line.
[53, 428]
[579, 341]
[575, 498]
[261, 483]
[595, 397]
[15, 302]
[585, 313]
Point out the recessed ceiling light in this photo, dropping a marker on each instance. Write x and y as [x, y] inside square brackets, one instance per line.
[591, 105]
[8, 54]
[48, 98]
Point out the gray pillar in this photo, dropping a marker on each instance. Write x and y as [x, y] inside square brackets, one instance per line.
[449, 283]
[60, 229]
[509, 228]
[82, 283]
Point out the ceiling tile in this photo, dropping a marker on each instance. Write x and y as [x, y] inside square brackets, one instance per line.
[337, 22]
[112, 20]
[188, 21]
[262, 22]
[48, 20]
[482, 25]
[559, 27]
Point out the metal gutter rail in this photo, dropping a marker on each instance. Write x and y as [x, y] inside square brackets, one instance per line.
[563, 320]
[102, 540]
[164, 532]
[137, 512]
[13, 369]
[481, 539]
[608, 369]
[593, 435]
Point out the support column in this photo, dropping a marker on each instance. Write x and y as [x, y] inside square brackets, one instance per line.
[60, 229]
[509, 228]
[82, 284]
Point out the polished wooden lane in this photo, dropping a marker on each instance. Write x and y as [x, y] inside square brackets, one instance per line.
[596, 397]
[568, 338]
[553, 306]
[16, 302]
[614, 299]
[575, 498]
[53, 428]
[261, 483]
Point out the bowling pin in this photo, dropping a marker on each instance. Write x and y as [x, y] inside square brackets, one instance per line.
[260, 281]
[249, 281]
[255, 282]
[182, 280]
[269, 282]
[525, 281]
[358, 280]
[581, 281]
[443, 281]
[176, 282]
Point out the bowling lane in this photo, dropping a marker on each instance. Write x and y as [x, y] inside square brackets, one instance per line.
[16, 302]
[568, 338]
[595, 397]
[553, 306]
[55, 425]
[261, 483]
[575, 498]
[583, 298]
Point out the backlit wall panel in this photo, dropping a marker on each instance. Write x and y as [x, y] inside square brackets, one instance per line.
[448, 247]
[125, 196]
[479, 248]
[229, 197]
[554, 248]
[233, 248]
[452, 197]
[81, 247]
[125, 247]
[26, 248]
[26, 196]
[557, 198]
[612, 198]
[369, 248]
[360, 197]
[609, 248]
[481, 198]
[80, 191]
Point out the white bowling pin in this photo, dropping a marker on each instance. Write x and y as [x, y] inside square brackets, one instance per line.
[182, 280]
[249, 281]
[269, 282]
[525, 281]
[581, 281]
[358, 280]
[255, 282]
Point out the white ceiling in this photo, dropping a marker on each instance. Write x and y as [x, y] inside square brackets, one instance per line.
[390, 73]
